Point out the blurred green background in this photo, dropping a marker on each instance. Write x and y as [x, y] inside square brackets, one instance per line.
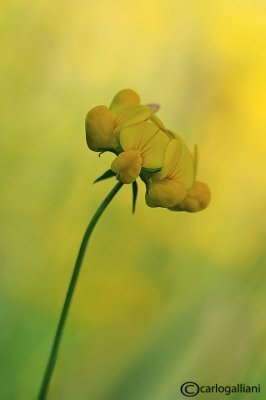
[163, 297]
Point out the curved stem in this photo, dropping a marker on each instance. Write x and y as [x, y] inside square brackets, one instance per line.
[54, 351]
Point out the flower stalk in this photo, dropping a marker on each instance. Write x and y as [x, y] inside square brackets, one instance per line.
[144, 148]
[65, 310]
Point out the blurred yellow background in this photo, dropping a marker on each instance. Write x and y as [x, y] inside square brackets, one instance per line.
[163, 297]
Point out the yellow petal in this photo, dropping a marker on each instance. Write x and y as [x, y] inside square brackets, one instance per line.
[125, 97]
[127, 165]
[197, 198]
[99, 129]
[166, 193]
[148, 139]
[178, 163]
[129, 115]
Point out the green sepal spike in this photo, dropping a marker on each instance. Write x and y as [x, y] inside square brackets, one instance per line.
[135, 195]
[108, 174]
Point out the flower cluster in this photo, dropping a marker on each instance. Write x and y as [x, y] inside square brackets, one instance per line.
[145, 148]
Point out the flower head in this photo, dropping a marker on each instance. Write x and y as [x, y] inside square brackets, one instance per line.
[145, 147]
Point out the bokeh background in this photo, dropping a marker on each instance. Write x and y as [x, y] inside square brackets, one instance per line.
[163, 297]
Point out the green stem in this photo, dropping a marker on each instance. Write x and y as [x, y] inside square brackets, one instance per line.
[58, 336]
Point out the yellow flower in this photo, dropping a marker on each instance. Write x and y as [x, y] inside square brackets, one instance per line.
[199, 196]
[104, 124]
[175, 187]
[169, 186]
[143, 145]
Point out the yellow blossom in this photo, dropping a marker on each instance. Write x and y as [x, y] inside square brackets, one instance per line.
[143, 145]
[103, 124]
[199, 196]
[169, 186]
[175, 187]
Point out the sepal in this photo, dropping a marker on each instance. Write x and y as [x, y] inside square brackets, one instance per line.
[108, 174]
[135, 195]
